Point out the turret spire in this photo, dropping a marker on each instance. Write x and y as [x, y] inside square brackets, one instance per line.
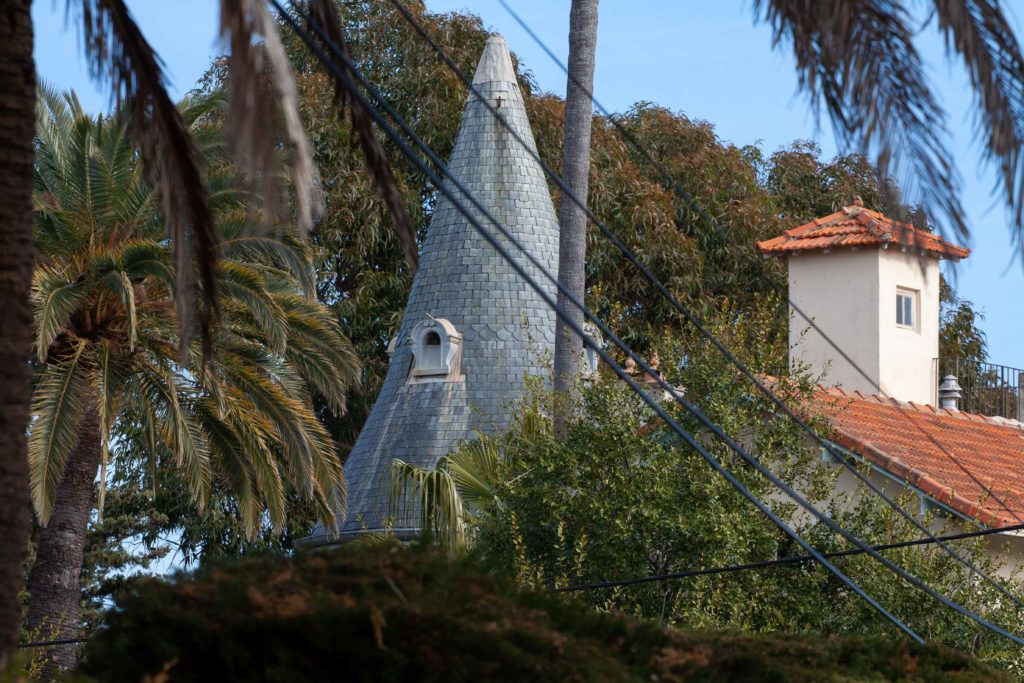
[495, 64]
[472, 329]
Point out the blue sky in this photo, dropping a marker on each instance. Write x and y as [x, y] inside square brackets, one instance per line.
[705, 59]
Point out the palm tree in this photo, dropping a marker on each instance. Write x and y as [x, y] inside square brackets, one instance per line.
[119, 54]
[17, 100]
[572, 241]
[107, 347]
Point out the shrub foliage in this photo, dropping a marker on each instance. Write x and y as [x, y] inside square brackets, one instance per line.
[386, 613]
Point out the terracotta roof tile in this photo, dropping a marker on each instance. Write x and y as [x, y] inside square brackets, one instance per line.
[971, 463]
[855, 226]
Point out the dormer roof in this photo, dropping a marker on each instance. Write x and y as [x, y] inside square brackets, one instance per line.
[856, 226]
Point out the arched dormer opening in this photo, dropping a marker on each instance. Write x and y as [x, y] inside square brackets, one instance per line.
[436, 351]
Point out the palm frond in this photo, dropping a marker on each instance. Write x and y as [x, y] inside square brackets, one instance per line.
[118, 51]
[226, 448]
[142, 258]
[979, 32]
[257, 442]
[110, 379]
[180, 431]
[432, 496]
[324, 14]
[857, 57]
[243, 240]
[57, 409]
[117, 281]
[474, 470]
[447, 496]
[245, 284]
[242, 21]
[54, 300]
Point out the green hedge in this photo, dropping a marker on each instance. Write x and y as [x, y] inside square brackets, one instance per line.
[397, 614]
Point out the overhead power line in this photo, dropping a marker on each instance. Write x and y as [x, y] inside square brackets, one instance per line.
[51, 643]
[654, 404]
[711, 222]
[689, 315]
[500, 249]
[780, 562]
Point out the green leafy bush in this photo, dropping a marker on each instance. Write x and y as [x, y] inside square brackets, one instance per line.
[388, 613]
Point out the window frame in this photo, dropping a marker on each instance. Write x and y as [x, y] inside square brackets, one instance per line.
[914, 296]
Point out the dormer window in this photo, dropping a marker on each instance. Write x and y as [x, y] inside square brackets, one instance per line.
[436, 351]
[431, 352]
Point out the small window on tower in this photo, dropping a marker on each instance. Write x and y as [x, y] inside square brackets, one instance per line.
[436, 351]
[906, 309]
[432, 351]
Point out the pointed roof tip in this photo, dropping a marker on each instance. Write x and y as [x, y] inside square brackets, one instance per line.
[495, 63]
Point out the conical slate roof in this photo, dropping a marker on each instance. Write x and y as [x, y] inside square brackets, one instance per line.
[506, 328]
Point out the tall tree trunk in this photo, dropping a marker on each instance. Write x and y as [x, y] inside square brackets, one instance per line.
[53, 611]
[572, 243]
[17, 123]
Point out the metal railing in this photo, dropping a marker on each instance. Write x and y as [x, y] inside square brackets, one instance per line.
[987, 388]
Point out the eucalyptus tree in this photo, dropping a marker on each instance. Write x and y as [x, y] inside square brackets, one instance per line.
[108, 357]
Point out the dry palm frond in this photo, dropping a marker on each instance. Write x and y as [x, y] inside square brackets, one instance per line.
[448, 496]
[858, 58]
[118, 51]
[242, 23]
[432, 495]
[978, 31]
[323, 16]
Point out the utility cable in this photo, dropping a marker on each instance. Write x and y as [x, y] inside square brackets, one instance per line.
[710, 220]
[685, 311]
[655, 405]
[694, 410]
[445, 190]
[779, 562]
[52, 643]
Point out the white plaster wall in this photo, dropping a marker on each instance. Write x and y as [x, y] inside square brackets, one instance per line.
[1005, 550]
[906, 366]
[839, 290]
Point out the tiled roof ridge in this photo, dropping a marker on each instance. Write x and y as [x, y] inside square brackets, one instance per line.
[922, 408]
[854, 226]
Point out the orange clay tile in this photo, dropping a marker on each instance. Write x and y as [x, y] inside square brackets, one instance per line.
[972, 463]
[855, 226]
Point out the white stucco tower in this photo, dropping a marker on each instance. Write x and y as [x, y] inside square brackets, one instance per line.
[871, 284]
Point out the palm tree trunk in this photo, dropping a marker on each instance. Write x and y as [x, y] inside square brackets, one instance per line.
[53, 611]
[572, 242]
[17, 123]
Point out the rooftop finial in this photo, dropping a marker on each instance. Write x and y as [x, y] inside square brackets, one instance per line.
[495, 63]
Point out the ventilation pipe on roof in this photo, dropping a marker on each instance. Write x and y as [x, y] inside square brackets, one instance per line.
[949, 393]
